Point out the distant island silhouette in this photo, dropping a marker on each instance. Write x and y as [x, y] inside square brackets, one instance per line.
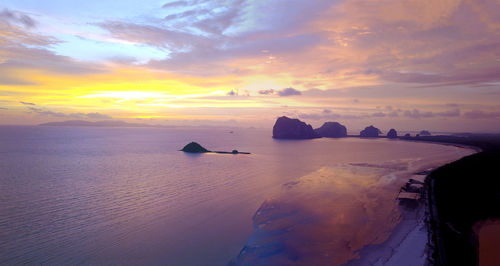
[332, 130]
[370, 132]
[194, 147]
[392, 134]
[425, 133]
[104, 123]
[288, 128]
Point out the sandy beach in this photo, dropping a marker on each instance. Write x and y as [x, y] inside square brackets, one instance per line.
[406, 244]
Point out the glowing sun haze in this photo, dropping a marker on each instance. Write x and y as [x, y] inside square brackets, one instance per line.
[411, 65]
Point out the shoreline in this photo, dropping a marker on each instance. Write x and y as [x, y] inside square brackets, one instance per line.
[443, 242]
[476, 148]
[409, 242]
[457, 202]
[406, 242]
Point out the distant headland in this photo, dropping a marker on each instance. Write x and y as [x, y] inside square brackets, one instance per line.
[104, 123]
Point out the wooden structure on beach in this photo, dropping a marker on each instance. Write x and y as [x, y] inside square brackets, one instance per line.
[413, 190]
[418, 179]
[409, 196]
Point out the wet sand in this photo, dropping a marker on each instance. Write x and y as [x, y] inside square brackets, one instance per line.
[406, 244]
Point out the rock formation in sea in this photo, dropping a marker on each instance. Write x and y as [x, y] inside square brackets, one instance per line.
[331, 130]
[392, 134]
[287, 128]
[370, 132]
[194, 147]
[424, 133]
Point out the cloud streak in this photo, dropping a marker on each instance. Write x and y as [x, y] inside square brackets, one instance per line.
[92, 115]
[478, 114]
[289, 92]
[17, 18]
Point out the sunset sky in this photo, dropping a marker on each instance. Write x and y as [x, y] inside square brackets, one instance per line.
[411, 65]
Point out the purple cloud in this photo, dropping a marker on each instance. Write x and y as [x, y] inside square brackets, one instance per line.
[315, 116]
[378, 114]
[266, 92]
[202, 38]
[329, 116]
[18, 18]
[393, 114]
[22, 48]
[6, 80]
[175, 4]
[151, 35]
[450, 113]
[186, 14]
[232, 93]
[415, 113]
[477, 114]
[289, 92]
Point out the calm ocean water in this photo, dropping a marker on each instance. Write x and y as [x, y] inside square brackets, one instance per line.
[77, 195]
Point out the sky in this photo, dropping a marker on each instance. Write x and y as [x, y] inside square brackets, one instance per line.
[404, 64]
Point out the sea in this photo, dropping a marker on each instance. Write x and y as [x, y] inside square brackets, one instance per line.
[128, 196]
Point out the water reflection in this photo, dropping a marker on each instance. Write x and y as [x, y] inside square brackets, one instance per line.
[327, 216]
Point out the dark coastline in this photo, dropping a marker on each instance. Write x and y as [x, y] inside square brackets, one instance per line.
[459, 195]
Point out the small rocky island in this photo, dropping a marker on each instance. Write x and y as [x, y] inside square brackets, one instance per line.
[392, 134]
[288, 128]
[370, 132]
[425, 133]
[331, 130]
[194, 147]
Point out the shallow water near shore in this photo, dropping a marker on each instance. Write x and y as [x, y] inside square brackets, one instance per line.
[329, 215]
[128, 196]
